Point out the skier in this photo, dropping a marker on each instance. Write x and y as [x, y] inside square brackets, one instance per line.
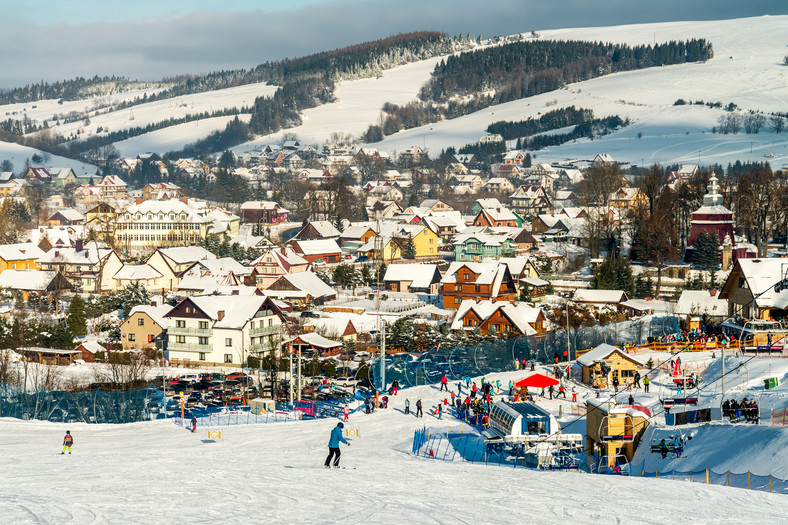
[333, 445]
[68, 440]
[347, 413]
[551, 389]
[418, 408]
[631, 400]
[637, 379]
[439, 411]
[366, 405]
[646, 382]
[444, 384]
[194, 424]
[511, 388]
[615, 383]
[394, 387]
[407, 406]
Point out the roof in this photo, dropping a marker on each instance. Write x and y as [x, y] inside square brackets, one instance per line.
[28, 280]
[601, 353]
[307, 282]
[761, 276]
[186, 254]
[316, 340]
[699, 302]
[487, 273]
[92, 346]
[70, 214]
[156, 313]
[238, 309]
[317, 246]
[324, 228]
[600, 296]
[421, 275]
[520, 315]
[20, 251]
[135, 272]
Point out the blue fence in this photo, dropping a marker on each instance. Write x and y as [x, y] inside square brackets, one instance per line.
[96, 406]
[499, 355]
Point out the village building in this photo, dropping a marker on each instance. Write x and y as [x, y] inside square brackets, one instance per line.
[530, 200]
[222, 330]
[145, 327]
[302, 289]
[20, 256]
[476, 281]
[263, 212]
[499, 318]
[39, 282]
[415, 278]
[606, 362]
[312, 344]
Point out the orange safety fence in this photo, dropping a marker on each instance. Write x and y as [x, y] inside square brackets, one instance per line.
[780, 418]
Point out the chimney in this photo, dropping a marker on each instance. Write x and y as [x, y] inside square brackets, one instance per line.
[138, 200]
[79, 245]
[713, 292]
[220, 315]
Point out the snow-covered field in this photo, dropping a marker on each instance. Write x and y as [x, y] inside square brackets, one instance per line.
[174, 137]
[358, 105]
[159, 473]
[17, 154]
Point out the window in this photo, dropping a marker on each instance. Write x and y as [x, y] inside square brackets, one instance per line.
[132, 337]
[202, 340]
[140, 322]
[180, 339]
[228, 358]
[456, 300]
[202, 356]
[180, 324]
[269, 322]
[203, 325]
[228, 341]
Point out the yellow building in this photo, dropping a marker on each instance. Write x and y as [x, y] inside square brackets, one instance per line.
[394, 243]
[20, 256]
[605, 363]
[613, 432]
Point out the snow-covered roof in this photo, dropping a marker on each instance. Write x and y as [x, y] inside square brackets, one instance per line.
[600, 296]
[28, 280]
[421, 275]
[307, 282]
[238, 309]
[520, 315]
[70, 214]
[92, 346]
[601, 353]
[20, 252]
[136, 272]
[699, 302]
[156, 313]
[318, 246]
[186, 254]
[316, 340]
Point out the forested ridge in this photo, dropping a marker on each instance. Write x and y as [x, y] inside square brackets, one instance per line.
[473, 80]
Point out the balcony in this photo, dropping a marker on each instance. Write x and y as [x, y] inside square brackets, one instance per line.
[174, 330]
[265, 330]
[187, 347]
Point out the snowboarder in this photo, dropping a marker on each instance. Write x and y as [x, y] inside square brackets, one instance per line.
[631, 400]
[394, 387]
[418, 408]
[637, 379]
[333, 445]
[646, 382]
[444, 384]
[347, 413]
[194, 424]
[439, 411]
[407, 406]
[68, 440]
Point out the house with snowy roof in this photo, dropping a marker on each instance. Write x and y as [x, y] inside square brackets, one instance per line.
[481, 243]
[317, 230]
[66, 216]
[222, 330]
[263, 212]
[475, 280]
[530, 200]
[145, 327]
[500, 318]
[323, 251]
[273, 263]
[304, 288]
[695, 305]
[500, 216]
[89, 349]
[756, 289]
[417, 278]
[605, 362]
[41, 282]
[312, 344]
[20, 256]
[333, 328]
[600, 299]
[90, 267]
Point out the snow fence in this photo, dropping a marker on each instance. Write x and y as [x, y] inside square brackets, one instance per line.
[95, 406]
[742, 480]
[500, 355]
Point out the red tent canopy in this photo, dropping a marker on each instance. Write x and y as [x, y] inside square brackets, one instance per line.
[536, 381]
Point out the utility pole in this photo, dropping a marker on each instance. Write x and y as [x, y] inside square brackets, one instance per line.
[568, 354]
[381, 326]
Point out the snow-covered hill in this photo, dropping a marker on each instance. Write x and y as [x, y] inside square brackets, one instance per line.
[747, 70]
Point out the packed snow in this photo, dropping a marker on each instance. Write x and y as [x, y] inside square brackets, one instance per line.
[159, 472]
[18, 154]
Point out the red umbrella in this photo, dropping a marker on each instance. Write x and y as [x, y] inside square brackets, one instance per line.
[536, 381]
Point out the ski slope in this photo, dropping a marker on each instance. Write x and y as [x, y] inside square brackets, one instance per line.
[747, 70]
[17, 154]
[157, 472]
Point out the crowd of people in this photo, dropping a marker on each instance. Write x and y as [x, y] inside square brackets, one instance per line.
[736, 411]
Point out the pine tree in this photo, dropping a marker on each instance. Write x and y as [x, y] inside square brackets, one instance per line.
[706, 251]
[410, 249]
[77, 323]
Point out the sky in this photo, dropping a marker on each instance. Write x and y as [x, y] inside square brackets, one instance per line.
[151, 39]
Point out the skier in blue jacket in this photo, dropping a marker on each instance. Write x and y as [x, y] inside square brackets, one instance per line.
[333, 445]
